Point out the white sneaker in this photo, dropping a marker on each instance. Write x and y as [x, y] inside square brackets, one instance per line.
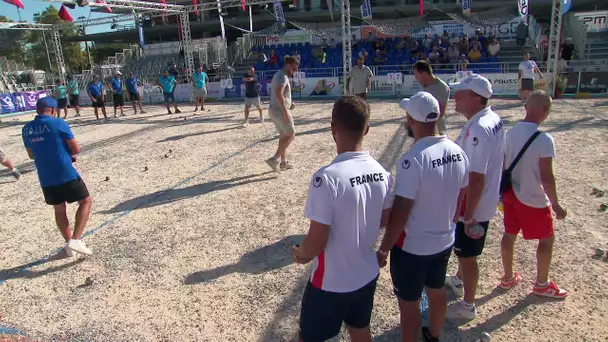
[455, 284]
[79, 246]
[461, 311]
[68, 250]
[245, 124]
[274, 164]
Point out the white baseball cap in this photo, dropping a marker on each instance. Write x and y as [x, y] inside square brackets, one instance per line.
[422, 107]
[476, 83]
[118, 73]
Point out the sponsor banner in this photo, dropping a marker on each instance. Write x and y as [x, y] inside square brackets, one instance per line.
[572, 85]
[235, 90]
[278, 12]
[593, 82]
[327, 86]
[522, 7]
[140, 30]
[21, 102]
[366, 10]
[466, 6]
[594, 21]
[214, 90]
[288, 39]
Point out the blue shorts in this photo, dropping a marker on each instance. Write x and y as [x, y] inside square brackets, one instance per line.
[169, 97]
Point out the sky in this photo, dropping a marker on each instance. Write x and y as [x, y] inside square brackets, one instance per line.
[33, 6]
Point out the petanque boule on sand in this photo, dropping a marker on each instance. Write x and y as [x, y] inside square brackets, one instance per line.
[485, 337]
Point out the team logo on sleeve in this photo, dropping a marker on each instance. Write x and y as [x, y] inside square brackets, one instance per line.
[406, 164]
[317, 182]
[475, 141]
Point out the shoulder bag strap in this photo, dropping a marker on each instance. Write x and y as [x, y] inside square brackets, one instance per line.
[523, 149]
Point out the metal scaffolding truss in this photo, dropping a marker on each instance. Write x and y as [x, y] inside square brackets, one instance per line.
[554, 42]
[58, 53]
[347, 52]
[187, 42]
[26, 26]
[130, 4]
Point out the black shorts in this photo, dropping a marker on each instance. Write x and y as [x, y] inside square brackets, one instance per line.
[527, 84]
[62, 103]
[75, 100]
[411, 273]
[98, 103]
[466, 247]
[72, 191]
[323, 312]
[118, 100]
[521, 43]
[134, 96]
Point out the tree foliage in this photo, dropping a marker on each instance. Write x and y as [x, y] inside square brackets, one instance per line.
[12, 45]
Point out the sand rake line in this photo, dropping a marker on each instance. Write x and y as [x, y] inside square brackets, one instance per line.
[116, 217]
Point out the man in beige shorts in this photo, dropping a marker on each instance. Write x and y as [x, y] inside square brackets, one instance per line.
[279, 112]
[360, 77]
[6, 162]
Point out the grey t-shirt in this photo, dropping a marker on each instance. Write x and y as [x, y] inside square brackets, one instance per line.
[358, 78]
[441, 92]
[278, 79]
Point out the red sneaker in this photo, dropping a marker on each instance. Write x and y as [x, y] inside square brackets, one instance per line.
[509, 283]
[550, 290]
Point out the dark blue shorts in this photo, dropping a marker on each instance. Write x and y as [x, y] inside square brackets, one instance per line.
[169, 97]
[323, 312]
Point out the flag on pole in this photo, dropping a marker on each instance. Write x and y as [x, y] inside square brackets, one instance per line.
[522, 8]
[421, 7]
[219, 11]
[278, 12]
[195, 2]
[17, 3]
[466, 6]
[164, 14]
[108, 9]
[70, 5]
[565, 6]
[244, 4]
[330, 6]
[64, 14]
[366, 10]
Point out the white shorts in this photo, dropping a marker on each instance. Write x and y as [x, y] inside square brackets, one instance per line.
[200, 92]
[252, 101]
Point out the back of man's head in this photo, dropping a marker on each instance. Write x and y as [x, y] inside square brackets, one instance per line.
[46, 105]
[350, 116]
[424, 67]
[538, 106]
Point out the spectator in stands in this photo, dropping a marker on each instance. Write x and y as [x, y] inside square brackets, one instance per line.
[453, 53]
[562, 65]
[133, 84]
[296, 54]
[97, 92]
[463, 45]
[527, 72]
[454, 39]
[474, 55]
[412, 45]
[61, 94]
[463, 63]
[360, 78]
[567, 49]
[263, 58]
[371, 36]
[380, 57]
[522, 34]
[274, 58]
[434, 56]
[422, 56]
[401, 45]
[363, 54]
[427, 42]
[475, 43]
[436, 41]
[494, 48]
[445, 37]
[322, 56]
[167, 83]
[117, 93]
[481, 38]
[381, 46]
[74, 95]
[444, 58]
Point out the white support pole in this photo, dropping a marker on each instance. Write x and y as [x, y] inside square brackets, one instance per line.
[187, 42]
[58, 54]
[555, 31]
[347, 51]
[250, 20]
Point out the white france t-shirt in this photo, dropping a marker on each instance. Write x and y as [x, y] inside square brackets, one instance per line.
[431, 173]
[527, 69]
[483, 140]
[349, 195]
[525, 177]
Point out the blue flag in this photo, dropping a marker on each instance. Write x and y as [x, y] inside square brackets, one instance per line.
[566, 6]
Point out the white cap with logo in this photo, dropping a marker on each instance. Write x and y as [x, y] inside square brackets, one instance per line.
[118, 72]
[475, 83]
[422, 107]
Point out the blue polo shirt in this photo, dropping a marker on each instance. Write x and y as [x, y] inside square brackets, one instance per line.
[95, 89]
[200, 78]
[116, 84]
[131, 84]
[167, 83]
[46, 137]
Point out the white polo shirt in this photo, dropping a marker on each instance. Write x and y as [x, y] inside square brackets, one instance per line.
[527, 69]
[525, 177]
[431, 173]
[349, 195]
[483, 140]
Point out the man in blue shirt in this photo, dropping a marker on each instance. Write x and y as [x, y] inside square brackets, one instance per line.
[200, 80]
[96, 92]
[116, 86]
[168, 83]
[133, 92]
[51, 144]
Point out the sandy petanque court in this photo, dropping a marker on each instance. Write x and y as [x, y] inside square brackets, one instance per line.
[191, 232]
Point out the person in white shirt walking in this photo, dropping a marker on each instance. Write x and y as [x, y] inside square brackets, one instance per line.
[348, 201]
[482, 139]
[360, 78]
[420, 235]
[526, 75]
[532, 196]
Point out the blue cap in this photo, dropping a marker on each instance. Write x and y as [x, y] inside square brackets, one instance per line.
[46, 103]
